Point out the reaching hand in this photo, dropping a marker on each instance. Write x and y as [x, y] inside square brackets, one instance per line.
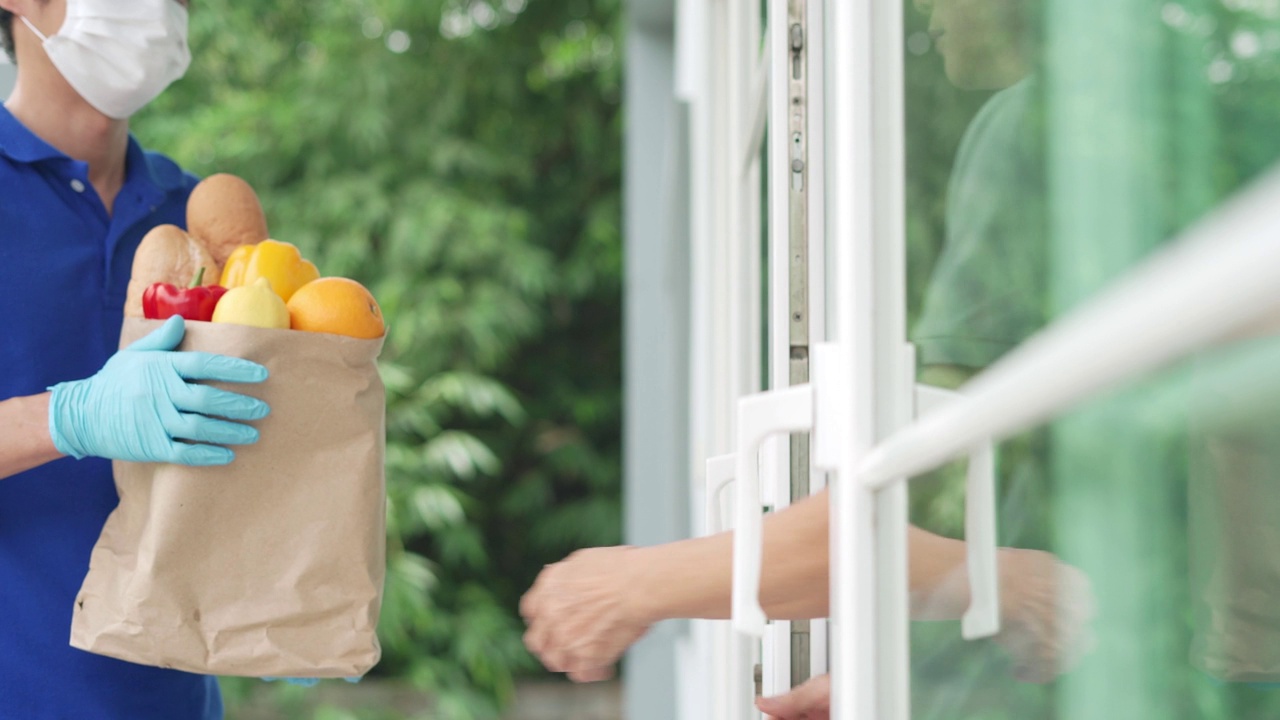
[141, 403]
[583, 613]
[810, 701]
[1047, 608]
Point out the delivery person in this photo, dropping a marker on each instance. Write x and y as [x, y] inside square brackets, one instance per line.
[77, 194]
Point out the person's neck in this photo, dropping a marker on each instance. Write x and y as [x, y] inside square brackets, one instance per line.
[51, 109]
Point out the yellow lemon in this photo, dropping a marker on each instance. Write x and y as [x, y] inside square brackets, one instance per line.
[257, 305]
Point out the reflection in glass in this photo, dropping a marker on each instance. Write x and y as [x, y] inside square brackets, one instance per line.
[1234, 456]
[1053, 146]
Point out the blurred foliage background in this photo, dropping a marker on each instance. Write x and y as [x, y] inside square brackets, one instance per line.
[462, 159]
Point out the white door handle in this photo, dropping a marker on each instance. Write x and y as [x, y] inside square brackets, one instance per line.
[734, 658]
[759, 416]
[792, 410]
[719, 475]
[982, 619]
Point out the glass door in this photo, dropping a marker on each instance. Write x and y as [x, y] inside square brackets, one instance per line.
[750, 77]
[1042, 317]
[1055, 148]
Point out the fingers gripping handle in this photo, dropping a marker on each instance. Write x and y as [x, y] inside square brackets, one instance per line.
[759, 416]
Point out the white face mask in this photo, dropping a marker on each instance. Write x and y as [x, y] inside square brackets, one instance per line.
[120, 54]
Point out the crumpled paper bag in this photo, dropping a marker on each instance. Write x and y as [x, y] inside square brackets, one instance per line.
[272, 565]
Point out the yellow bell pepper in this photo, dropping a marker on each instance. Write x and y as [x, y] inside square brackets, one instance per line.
[279, 262]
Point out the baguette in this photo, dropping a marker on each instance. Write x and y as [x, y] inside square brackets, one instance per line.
[168, 254]
[224, 213]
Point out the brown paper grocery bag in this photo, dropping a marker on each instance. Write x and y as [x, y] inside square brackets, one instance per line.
[273, 565]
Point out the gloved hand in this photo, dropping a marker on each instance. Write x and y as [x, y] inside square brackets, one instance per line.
[141, 402]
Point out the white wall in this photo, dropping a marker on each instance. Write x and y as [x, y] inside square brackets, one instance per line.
[656, 446]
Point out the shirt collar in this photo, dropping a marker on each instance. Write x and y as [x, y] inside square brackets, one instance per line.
[19, 144]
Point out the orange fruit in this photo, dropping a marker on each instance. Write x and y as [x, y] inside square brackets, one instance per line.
[336, 305]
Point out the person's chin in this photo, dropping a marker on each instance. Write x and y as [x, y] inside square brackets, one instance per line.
[967, 77]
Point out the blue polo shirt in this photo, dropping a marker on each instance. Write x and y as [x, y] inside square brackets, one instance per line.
[64, 269]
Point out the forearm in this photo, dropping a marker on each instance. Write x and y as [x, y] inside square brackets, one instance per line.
[937, 577]
[693, 578]
[26, 443]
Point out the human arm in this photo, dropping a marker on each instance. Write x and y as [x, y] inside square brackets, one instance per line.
[1046, 609]
[141, 406]
[1046, 606]
[26, 443]
[585, 611]
[694, 578]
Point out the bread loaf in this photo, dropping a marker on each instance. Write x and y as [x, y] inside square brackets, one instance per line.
[167, 254]
[224, 213]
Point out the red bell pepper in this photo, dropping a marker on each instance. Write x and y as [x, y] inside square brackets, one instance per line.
[195, 302]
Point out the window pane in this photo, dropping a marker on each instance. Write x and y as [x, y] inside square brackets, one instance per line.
[1053, 145]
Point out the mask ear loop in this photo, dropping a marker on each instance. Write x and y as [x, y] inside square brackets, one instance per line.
[33, 28]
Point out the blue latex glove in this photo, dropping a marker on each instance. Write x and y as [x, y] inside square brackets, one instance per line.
[141, 402]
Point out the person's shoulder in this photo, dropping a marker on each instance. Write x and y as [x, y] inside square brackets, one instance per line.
[1008, 106]
[1008, 121]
